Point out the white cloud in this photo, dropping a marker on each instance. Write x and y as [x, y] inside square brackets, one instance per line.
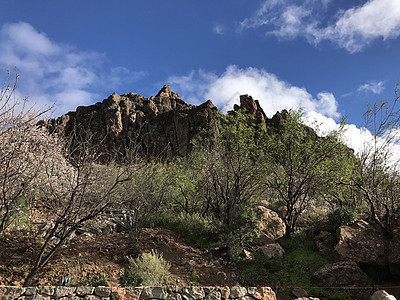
[351, 29]
[50, 72]
[375, 87]
[274, 94]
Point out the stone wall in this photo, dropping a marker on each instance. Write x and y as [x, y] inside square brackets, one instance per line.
[136, 293]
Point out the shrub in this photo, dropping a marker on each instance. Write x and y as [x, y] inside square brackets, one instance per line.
[342, 216]
[148, 269]
[94, 280]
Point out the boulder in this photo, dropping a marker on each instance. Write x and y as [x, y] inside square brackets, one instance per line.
[345, 273]
[272, 226]
[271, 251]
[362, 242]
[382, 295]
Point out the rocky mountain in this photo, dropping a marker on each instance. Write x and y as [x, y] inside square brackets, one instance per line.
[162, 125]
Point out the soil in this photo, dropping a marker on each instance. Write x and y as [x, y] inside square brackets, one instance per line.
[107, 254]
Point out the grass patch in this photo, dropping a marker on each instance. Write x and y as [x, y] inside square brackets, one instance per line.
[295, 269]
[198, 231]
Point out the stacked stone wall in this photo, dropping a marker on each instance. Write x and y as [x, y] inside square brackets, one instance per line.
[136, 293]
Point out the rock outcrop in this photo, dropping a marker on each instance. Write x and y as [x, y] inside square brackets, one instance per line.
[161, 126]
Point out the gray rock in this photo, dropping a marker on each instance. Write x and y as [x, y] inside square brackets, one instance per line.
[194, 292]
[237, 292]
[382, 295]
[84, 290]
[30, 291]
[64, 291]
[173, 296]
[273, 251]
[214, 295]
[154, 292]
[46, 290]
[41, 297]
[346, 273]
[102, 291]
[272, 226]
[12, 292]
[362, 242]
[299, 293]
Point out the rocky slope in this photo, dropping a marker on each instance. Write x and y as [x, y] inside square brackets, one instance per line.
[162, 125]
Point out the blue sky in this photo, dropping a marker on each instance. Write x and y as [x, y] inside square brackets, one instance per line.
[330, 57]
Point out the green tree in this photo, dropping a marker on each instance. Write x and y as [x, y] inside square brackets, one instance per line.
[227, 173]
[302, 168]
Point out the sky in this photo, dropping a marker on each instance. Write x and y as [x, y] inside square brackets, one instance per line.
[329, 57]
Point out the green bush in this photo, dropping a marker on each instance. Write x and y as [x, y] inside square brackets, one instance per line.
[94, 280]
[148, 269]
[342, 216]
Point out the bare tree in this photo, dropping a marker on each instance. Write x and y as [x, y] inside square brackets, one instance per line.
[376, 174]
[22, 150]
[73, 188]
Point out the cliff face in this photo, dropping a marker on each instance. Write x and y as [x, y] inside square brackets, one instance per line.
[162, 125]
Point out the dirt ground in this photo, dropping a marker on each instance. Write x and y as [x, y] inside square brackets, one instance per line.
[107, 254]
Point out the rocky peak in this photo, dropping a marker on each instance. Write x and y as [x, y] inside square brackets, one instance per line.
[251, 107]
[163, 125]
[166, 92]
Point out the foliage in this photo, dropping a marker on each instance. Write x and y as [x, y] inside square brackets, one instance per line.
[65, 280]
[342, 216]
[148, 269]
[94, 280]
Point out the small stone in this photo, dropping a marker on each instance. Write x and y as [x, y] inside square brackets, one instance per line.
[299, 293]
[91, 297]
